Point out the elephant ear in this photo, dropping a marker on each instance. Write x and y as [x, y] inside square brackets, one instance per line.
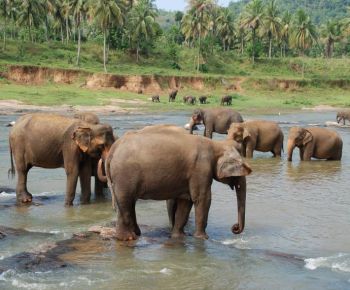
[82, 137]
[232, 164]
[307, 138]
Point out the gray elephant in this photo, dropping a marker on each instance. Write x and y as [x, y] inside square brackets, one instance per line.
[216, 120]
[53, 141]
[259, 135]
[343, 116]
[136, 174]
[315, 142]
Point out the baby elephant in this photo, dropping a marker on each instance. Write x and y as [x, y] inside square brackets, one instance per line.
[343, 116]
[315, 142]
[257, 135]
[203, 99]
[226, 100]
[190, 100]
[155, 99]
[172, 95]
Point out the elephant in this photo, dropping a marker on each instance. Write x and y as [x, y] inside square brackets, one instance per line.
[343, 115]
[203, 99]
[226, 100]
[315, 142]
[135, 174]
[53, 141]
[155, 99]
[90, 118]
[190, 100]
[259, 135]
[215, 120]
[172, 95]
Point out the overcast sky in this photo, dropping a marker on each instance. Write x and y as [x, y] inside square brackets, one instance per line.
[180, 4]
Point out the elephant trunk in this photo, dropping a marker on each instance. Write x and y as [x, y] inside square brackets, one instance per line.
[100, 175]
[192, 124]
[241, 188]
[290, 148]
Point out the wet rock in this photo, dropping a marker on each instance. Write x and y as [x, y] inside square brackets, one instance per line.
[104, 232]
[335, 124]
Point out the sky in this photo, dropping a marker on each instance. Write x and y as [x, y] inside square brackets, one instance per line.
[181, 4]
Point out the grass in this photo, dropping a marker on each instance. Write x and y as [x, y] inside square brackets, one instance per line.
[261, 89]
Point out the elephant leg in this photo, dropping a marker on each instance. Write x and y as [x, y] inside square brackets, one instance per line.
[72, 180]
[98, 188]
[208, 132]
[307, 152]
[126, 214]
[22, 193]
[250, 149]
[202, 201]
[85, 182]
[182, 213]
[277, 150]
[171, 205]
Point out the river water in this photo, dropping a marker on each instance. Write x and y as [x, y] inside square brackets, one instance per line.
[297, 233]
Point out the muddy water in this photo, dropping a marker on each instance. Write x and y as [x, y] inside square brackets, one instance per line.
[297, 228]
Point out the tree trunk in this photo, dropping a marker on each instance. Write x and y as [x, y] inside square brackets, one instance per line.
[79, 43]
[67, 30]
[137, 52]
[199, 52]
[253, 59]
[270, 47]
[104, 50]
[46, 29]
[5, 26]
[62, 40]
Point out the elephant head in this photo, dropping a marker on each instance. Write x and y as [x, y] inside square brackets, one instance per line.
[238, 133]
[196, 119]
[94, 140]
[231, 169]
[88, 117]
[297, 137]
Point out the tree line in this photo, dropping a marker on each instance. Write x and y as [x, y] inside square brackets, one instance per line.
[262, 28]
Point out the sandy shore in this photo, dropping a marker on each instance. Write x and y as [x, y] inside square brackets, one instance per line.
[8, 107]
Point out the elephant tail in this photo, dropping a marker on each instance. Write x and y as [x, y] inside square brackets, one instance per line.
[12, 171]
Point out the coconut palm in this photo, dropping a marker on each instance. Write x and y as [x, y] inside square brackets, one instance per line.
[108, 14]
[304, 34]
[4, 12]
[197, 22]
[31, 13]
[142, 24]
[331, 33]
[79, 10]
[252, 19]
[66, 10]
[272, 23]
[285, 32]
[226, 28]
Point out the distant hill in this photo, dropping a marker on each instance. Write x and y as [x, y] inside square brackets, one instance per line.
[319, 10]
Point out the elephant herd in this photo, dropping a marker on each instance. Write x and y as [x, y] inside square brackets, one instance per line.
[142, 164]
[225, 100]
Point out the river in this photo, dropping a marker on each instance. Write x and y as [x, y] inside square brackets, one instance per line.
[297, 233]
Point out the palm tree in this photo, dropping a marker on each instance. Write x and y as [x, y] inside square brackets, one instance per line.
[305, 34]
[58, 16]
[79, 9]
[272, 23]
[285, 32]
[331, 33]
[66, 9]
[226, 28]
[108, 13]
[4, 6]
[142, 24]
[252, 19]
[197, 22]
[30, 15]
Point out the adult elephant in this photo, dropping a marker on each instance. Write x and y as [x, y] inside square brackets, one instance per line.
[259, 135]
[215, 120]
[136, 174]
[343, 116]
[315, 142]
[88, 117]
[53, 141]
